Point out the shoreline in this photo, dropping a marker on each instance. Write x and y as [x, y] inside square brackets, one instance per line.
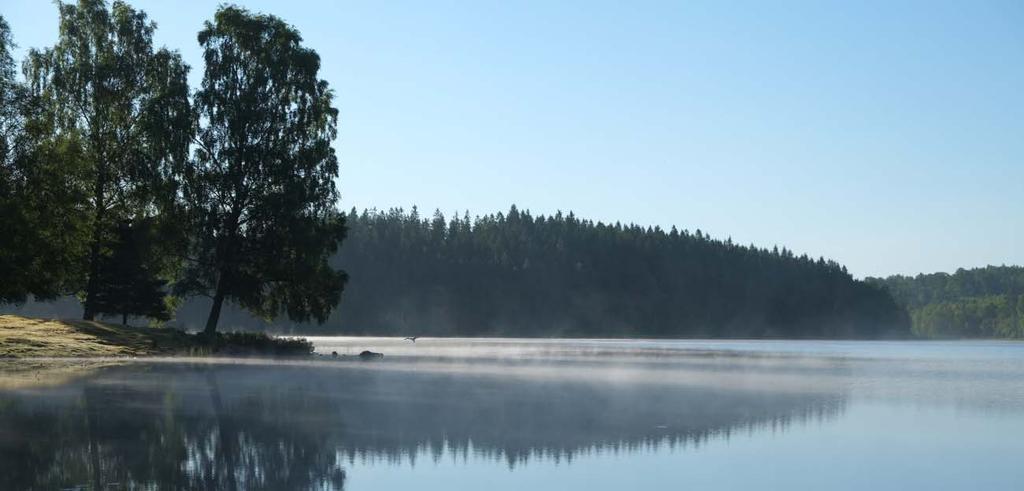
[34, 338]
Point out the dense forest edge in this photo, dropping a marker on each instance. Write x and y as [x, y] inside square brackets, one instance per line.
[517, 274]
[472, 277]
[969, 303]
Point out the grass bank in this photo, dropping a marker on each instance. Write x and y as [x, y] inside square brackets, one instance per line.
[25, 337]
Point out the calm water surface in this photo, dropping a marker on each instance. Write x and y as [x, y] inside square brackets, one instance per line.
[510, 414]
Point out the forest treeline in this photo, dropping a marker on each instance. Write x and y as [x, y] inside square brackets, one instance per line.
[970, 303]
[519, 274]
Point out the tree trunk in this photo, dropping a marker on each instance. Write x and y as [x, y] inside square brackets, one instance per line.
[94, 269]
[89, 312]
[218, 302]
[225, 247]
[94, 248]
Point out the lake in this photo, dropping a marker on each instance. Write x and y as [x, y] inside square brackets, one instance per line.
[514, 414]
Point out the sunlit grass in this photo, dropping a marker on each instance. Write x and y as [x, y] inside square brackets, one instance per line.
[23, 337]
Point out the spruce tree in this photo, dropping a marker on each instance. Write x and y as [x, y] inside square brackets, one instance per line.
[128, 284]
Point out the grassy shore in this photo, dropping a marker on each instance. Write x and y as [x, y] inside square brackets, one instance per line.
[24, 337]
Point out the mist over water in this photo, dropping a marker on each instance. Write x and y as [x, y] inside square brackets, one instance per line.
[527, 414]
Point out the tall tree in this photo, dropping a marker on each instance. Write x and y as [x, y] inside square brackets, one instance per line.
[125, 106]
[40, 230]
[262, 179]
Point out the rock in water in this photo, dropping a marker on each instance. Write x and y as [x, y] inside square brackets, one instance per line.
[370, 355]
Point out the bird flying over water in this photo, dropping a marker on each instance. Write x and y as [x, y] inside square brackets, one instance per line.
[411, 338]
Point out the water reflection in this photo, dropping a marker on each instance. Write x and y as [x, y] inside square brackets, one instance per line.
[122, 428]
[253, 426]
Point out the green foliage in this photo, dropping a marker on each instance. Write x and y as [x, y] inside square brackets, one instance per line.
[974, 303]
[41, 234]
[248, 343]
[261, 184]
[924, 289]
[993, 316]
[12, 96]
[117, 109]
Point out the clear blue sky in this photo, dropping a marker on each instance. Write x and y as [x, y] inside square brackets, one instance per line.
[886, 135]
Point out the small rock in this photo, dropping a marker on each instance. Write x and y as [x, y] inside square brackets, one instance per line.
[370, 355]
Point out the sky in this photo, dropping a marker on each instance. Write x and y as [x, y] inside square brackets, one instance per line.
[886, 135]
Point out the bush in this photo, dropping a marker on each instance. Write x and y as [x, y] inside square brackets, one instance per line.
[248, 343]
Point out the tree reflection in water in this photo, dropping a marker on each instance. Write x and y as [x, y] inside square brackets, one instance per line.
[196, 426]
